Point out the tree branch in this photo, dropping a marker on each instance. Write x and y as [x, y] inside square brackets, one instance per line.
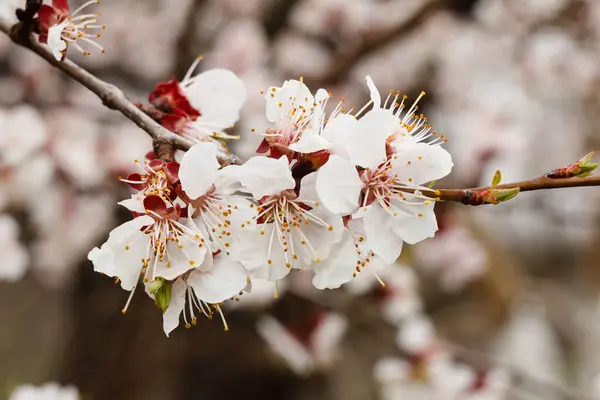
[111, 96]
[541, 183]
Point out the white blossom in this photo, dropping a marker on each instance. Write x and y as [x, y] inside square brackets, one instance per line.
[292, 230]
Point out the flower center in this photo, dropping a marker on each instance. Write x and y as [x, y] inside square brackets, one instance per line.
[287, 217]
[76, 29]
[382, 186]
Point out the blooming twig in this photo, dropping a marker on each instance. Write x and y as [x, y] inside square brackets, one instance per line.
[573, 175]
[468, 196]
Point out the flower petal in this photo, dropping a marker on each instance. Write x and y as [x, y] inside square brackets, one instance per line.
[375, 96]
[309, 142]
[173, 312]
[338, 268]
[55, 42]
[384, 242]
[418, 163]
[319, 108]
[219, 96]
[122, 253]
[264, 176]
[414, 223]
[227, 180]
[336, 133]
[366, 143]
[226, 279]
[133, 204]
[280, 101]
[198, 169]
[179, 263]
[339, 186]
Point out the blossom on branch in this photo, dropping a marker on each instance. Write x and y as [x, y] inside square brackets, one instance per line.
[390, 157]
[60, 28]
[199, 107]
[328, 195]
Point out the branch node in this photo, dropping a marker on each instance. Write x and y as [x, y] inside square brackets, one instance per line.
[164, 149]
[111, 97]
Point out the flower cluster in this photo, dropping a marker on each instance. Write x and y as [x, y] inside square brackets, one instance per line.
[329, 194]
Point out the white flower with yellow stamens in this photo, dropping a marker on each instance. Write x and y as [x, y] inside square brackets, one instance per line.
[292, 230]
[381, 180]
[156, 245]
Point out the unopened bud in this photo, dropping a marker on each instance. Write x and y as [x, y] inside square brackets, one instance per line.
[496, 196]
[579, 169]
[490, 196]
[497, 178]
[154, 286]
[162, 297]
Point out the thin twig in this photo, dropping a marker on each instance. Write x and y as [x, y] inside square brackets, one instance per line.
[111, 96]
[541, 183]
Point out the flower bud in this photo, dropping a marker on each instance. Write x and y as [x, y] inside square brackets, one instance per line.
[162, 296]
[495, 196]
[579, 169]
[490, 196]
[154, 286]
[497, 178]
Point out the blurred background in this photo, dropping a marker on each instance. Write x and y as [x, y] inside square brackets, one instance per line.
[504, 303]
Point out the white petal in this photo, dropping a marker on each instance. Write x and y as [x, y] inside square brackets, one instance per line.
[227, 180]
[55, 42]
[379, 231]
[320, 99]
[173, 312]
[122, 253]
[198, 169]
[226, 279]
[339, 186]
[375, 96]
[308, 188]
[414, 223]
[133, 204]
[336, 133]
[310, 143]
[338, 268]
[252, 253]
[366, 143]
[322, 240]
[279, 101]
[418, 163]
[180, 263]
[265, 176]
[219, 96]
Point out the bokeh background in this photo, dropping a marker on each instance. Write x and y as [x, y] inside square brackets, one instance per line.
[504, 303]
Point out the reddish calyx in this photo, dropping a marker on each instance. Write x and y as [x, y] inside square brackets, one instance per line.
[158, 178]
[170, 107]
[158, 209]
[52, 15]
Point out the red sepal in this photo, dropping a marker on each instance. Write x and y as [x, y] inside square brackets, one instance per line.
[135, 177]
[47, 17]
[169, 97]
[172, 171]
